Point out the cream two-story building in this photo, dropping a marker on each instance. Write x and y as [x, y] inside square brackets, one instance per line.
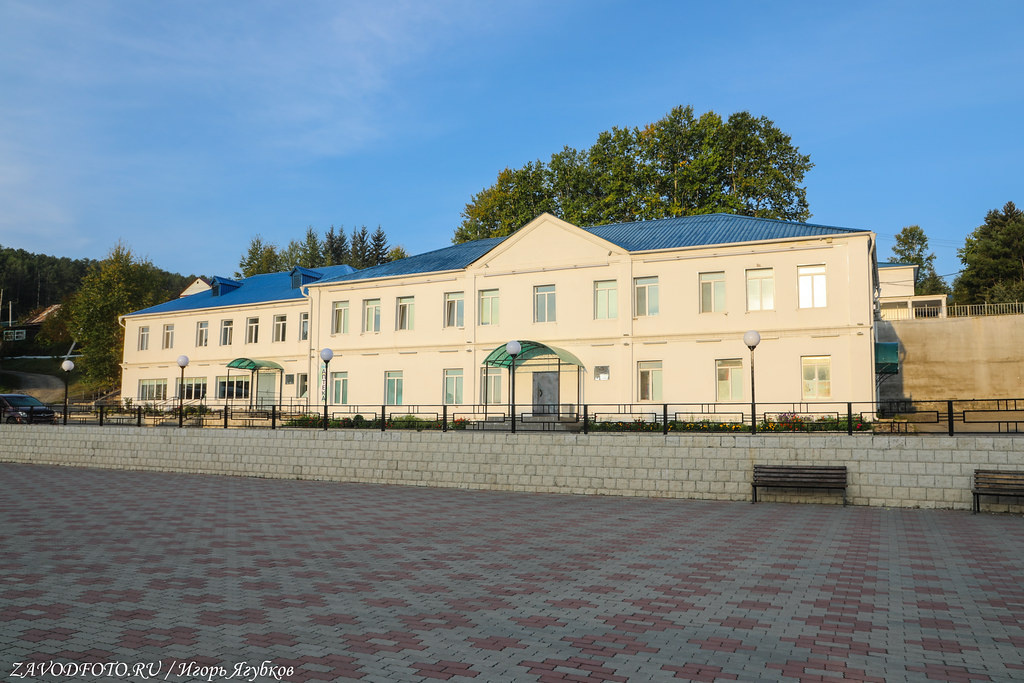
[649, 312]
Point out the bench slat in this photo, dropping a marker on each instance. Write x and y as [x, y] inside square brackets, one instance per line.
[996, 483]
[799, 476]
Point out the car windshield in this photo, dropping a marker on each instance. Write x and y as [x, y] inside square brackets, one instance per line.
[23, 401]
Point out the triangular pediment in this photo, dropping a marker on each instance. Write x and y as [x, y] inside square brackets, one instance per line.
[548, 241]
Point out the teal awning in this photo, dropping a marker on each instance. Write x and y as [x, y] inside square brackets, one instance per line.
[499, 357]
[250, 364]
[887, 358]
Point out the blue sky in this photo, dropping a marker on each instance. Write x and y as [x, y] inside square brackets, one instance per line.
[186, 128]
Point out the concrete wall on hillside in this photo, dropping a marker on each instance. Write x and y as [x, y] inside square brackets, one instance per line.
[913, 470]
[956, 358]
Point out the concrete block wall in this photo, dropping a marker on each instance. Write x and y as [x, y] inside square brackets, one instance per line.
[896, 471]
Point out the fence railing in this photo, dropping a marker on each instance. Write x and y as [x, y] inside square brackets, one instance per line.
[977, 416]
[952, 311]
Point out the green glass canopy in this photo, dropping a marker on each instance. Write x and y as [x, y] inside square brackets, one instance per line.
[499, 357]
[249, 364]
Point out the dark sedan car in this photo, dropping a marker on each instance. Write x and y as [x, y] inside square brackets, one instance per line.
[25, 409]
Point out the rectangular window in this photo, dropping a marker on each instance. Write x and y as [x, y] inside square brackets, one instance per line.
[226, 329]
[303, 326]
[234, 386]
[817, 376]
[405, 315]
[280, 327]
[454, 309]
[606, 300]
[761, 289]
[339, 317]
[302, 385]
[811, 281]
[650, 380]
[371, 315]
[252, 330]
[168, 337]
[152, 389]
[393, 388]
[646, 301]
[488, 307]
[193, 389]
[712, 292]
[729, 375]
[490, 386]
[202, 333]
[339, 388]
[453, 387]
[544, 304]
[143, 338]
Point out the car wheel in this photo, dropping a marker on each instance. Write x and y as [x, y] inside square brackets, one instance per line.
[12, 420]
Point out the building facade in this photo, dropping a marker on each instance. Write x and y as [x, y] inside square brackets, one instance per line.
[639, 313]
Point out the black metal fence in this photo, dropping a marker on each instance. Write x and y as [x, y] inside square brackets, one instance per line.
[994, 416]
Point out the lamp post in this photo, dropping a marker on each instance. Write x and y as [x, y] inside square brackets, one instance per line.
[752, 338]
[182, 363]
[67, 366]
[326, 355]
[513, 349]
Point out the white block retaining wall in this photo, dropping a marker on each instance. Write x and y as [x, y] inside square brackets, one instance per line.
[897, 471]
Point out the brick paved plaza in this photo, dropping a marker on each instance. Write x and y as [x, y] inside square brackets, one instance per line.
[204, 575]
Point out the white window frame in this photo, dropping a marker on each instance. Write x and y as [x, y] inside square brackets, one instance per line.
[168, 336]
[645, 296]
[544, 304]
[252, 330]
[729, 380]
[239, 385]
[649, 380]
[202, 333]
[453, 385]
[280, 327]
[152, 389]
[339, 388]
[812, 286]
[816, 387]
[339, 317]
[302, 385]
[712, 292]
[371, 316]
[195, 388]
[761, 289]
[303, 326]
[489, 307]
[454, 309]
[606, 299]
[405, 313]
[393, 387]
[490, 386]
[144, 338]
[227, 332]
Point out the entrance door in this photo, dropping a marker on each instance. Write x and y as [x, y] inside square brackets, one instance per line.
[266, 385]
[545, 393]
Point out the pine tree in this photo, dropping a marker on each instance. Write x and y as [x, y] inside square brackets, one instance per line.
[379, 247]
[336, 250]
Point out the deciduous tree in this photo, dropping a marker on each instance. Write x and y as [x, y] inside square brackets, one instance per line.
[912, 247]
[676, 166]
[119, 284]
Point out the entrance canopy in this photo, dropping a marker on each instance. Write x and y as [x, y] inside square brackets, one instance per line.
[499, 357]
[254, 365]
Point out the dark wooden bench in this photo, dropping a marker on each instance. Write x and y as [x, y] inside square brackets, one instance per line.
[996, 483]
[799, 476]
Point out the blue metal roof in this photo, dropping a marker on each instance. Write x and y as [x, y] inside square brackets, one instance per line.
[666, 233]
[450, 258]
[250, 290]
[706, 230]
